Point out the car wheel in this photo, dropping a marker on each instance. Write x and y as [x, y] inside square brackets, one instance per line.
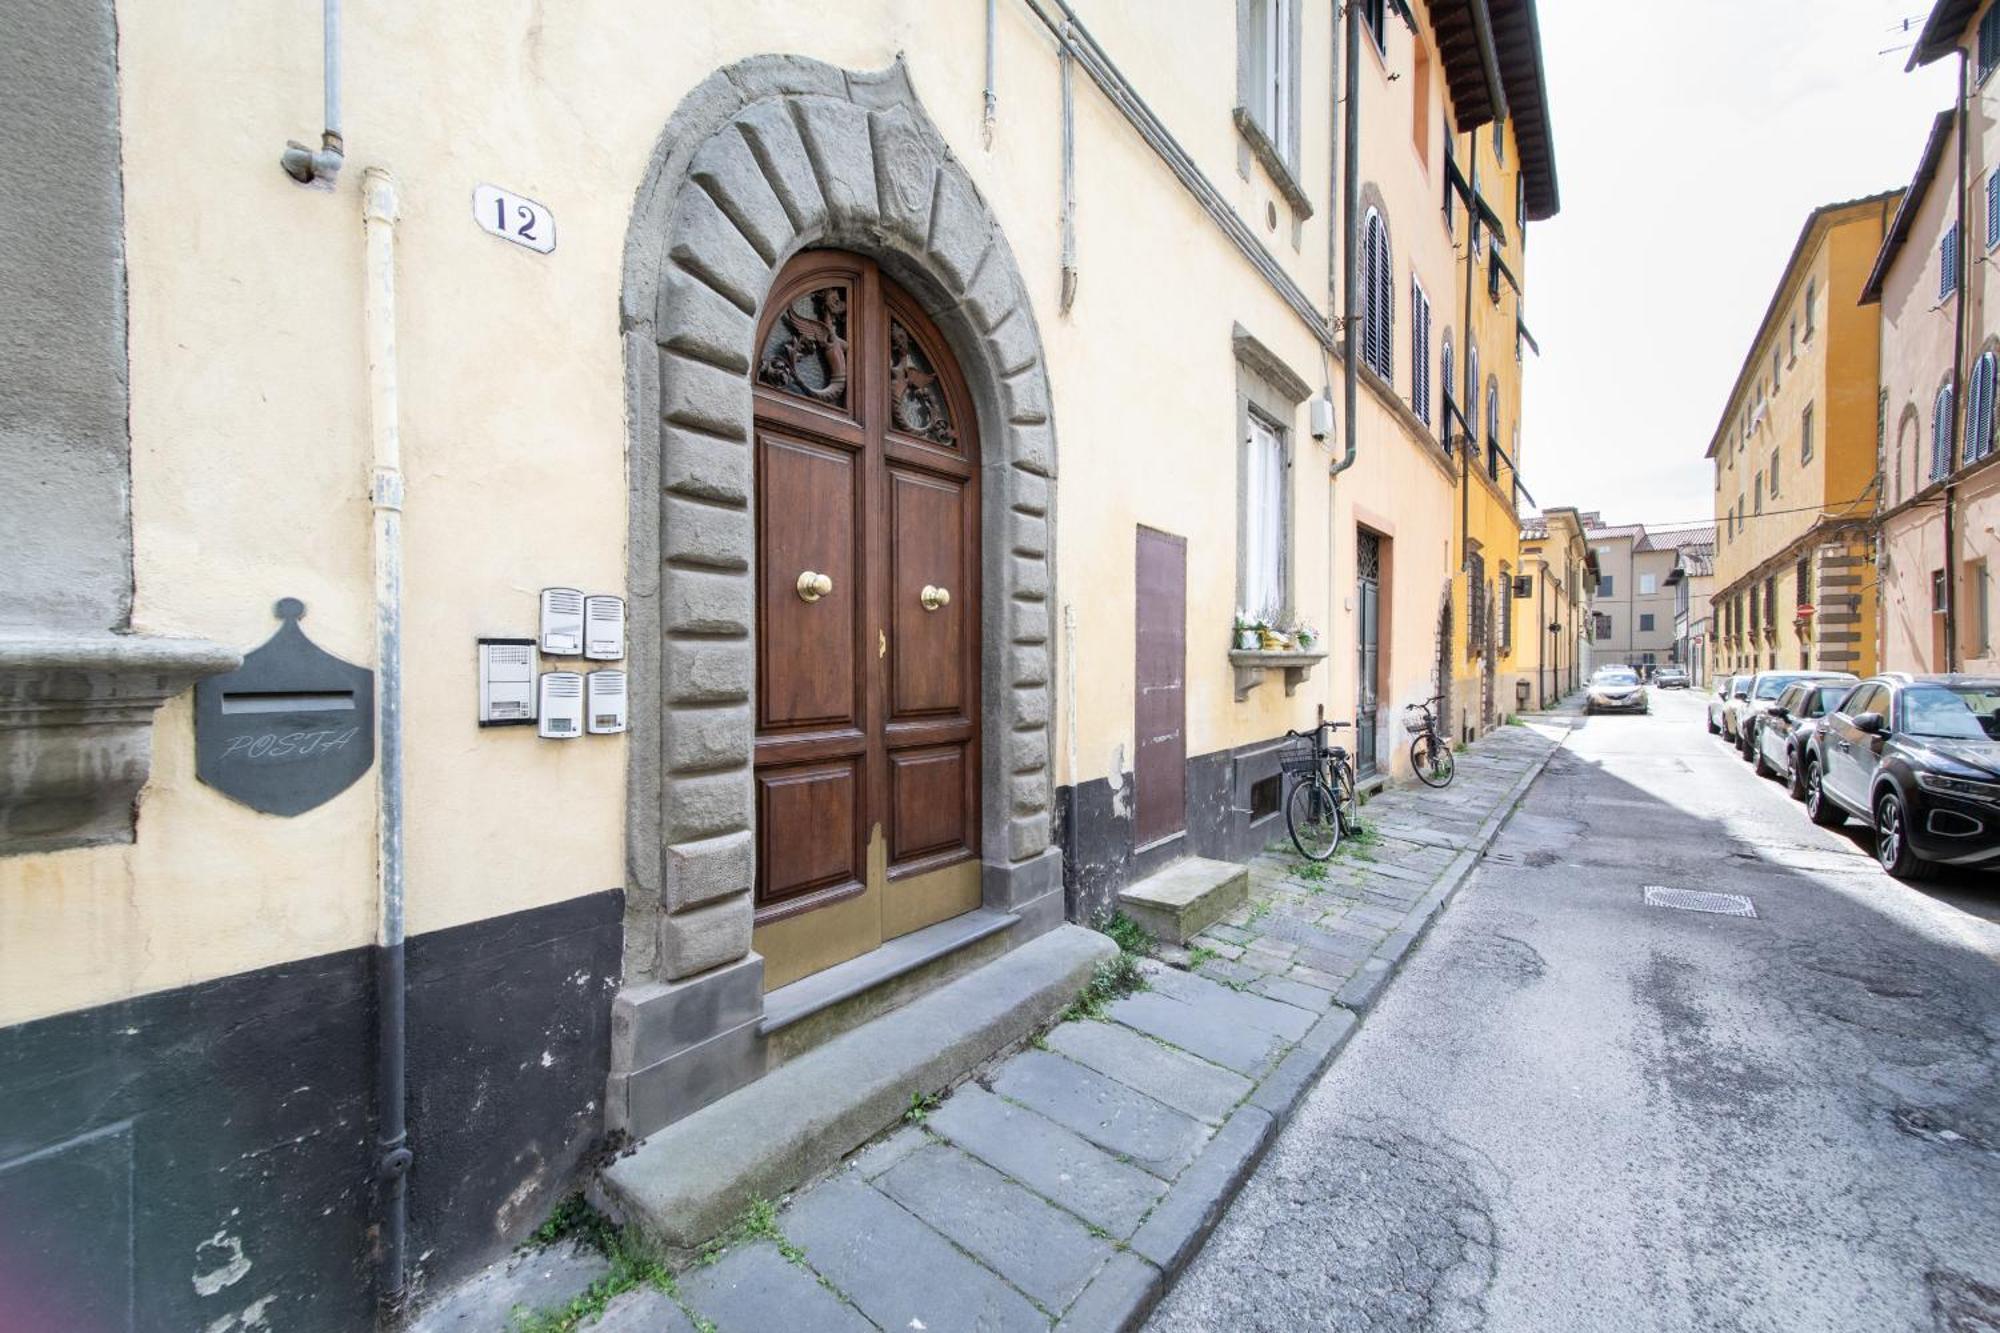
[1892, 839]
[1819, 806]
[1713, 730]
[1797, 785]
[1746, 744]
[1760, 765]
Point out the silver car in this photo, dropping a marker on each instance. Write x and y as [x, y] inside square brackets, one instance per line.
[1727, 691]
[1747, 713]
[1616, 689]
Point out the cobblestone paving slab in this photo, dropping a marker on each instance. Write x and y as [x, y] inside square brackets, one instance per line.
[1067, 1185]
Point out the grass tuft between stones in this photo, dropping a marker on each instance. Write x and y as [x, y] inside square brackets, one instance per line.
[632, 1266]
[1116, 977]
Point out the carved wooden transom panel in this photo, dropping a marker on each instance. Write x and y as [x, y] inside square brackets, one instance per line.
[806, 350]
[916, 398]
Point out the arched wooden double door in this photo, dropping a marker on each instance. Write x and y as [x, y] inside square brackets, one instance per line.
[866, 465]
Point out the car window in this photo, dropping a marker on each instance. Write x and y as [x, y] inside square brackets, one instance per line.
[1790, 700]
[1865, 699]
[1615, 676]
[1770, 687]
[1965, 712]
[1740, 687]
[1823, 699]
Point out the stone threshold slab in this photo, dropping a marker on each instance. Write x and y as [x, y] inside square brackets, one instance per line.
[822, 990]
[689, 1181]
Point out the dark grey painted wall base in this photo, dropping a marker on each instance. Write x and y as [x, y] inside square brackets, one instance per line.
[179, 1158]
[1094, 826]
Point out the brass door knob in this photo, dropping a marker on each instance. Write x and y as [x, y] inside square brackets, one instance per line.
[814, 586]
[933, 598]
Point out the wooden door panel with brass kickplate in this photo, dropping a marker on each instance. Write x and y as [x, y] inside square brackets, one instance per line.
[867, 513]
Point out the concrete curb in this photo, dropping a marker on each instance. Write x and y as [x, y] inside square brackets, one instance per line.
[1180, 1223]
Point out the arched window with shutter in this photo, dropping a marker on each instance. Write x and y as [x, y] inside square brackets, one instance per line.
[1979, 411]
[1941, 434]
[1493, 427]
[1378, 294]
[1472, 398]
[1446, 366]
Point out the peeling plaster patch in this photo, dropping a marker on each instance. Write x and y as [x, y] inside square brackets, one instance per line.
[1121, 792]
[231, 1272]
[248, 1319]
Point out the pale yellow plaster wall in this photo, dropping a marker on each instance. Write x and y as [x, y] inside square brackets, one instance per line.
[251, 446]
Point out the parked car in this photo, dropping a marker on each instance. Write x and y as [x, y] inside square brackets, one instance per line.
[1917, 758]
[1730, 689]
[1616, 689]
[1765, 687]
[1671, 678]
[1786, 729]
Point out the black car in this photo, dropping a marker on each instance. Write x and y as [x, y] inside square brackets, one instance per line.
[1785, 731]
[1918, 759]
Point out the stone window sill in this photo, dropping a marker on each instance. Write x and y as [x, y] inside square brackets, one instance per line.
[1267, 153]
[1251, 664]
[76, 721]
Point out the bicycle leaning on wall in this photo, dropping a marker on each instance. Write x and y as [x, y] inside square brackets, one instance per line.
[1322, 803]
[1430, 752]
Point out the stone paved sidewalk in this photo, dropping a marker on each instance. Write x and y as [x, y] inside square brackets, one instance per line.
[1067, 1184]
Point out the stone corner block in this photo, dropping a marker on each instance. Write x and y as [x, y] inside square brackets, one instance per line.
[708, 868]
[704, 937]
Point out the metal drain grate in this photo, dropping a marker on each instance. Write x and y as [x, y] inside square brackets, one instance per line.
[1696, 900]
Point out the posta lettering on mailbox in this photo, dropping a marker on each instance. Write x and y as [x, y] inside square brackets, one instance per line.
[290, 729]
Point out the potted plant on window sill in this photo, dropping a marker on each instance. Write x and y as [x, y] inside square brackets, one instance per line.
[1248, 632]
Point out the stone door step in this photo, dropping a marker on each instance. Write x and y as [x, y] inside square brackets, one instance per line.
[1186, 898]
[688, 1182]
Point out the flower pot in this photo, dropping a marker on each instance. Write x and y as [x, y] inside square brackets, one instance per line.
[1273, 642]
[1247, 640]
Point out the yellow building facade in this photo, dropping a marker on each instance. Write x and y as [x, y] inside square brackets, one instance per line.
[1795, 460]
[1505, 175]
[915, 397]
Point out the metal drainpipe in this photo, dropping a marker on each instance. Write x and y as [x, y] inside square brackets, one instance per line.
[1957, 385]
[301, 163]
[379, 207]
[1350, 265]
[990, 112]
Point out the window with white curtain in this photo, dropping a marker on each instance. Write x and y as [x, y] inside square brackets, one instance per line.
[1272, 100]
[1263, 517]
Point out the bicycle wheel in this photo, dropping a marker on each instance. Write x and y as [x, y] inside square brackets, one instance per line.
[1346, 799]
[1431, 757]
[1313, 819]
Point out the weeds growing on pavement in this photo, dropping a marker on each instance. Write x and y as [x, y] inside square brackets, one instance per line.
[920, 1108]
[1116, 977]
[1200, 954]
[631, 1267]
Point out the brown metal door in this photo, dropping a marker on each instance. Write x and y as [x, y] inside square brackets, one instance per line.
[867, 509]
[1159, 764]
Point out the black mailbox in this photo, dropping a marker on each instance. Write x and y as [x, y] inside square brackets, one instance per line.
[291, 728]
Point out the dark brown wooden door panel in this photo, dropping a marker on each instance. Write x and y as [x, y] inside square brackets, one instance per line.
[1159, 762]
[927, 550]
[926, 803]
[808, 830]
[809, 500]
[866, 471]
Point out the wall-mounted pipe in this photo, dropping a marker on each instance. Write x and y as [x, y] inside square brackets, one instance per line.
[990, 112]
[305, 165]
[392, 1163]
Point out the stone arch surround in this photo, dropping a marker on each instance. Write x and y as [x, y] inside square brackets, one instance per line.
[765, 158]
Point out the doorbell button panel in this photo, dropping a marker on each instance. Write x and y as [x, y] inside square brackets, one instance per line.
[604, 627]
[562, 622]
[561, 699]
[604, 702]
[506, 682]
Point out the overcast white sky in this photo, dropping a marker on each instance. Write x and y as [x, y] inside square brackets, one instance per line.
[1691, 138]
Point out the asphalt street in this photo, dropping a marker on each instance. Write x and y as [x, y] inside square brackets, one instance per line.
[1573, 1110]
